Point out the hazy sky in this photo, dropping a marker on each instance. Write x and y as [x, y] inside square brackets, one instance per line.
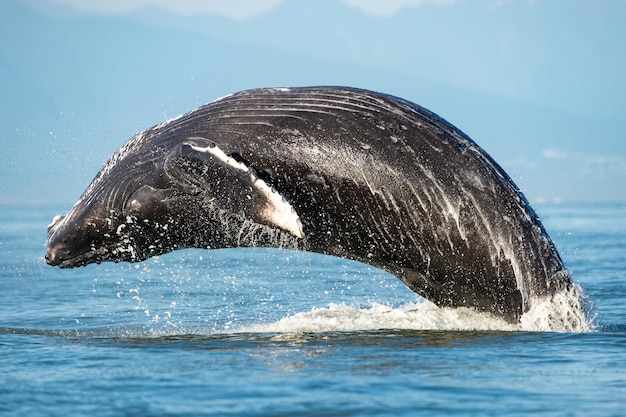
[539, 84]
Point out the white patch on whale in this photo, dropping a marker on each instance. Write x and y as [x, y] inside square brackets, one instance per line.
[55, 220]
[277, 211]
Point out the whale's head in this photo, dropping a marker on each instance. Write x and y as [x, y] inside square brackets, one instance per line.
[149, 199]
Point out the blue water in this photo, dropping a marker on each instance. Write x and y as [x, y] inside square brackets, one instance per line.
[271, 333]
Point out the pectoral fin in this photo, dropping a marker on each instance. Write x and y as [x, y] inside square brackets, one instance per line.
[201, 165]
[274, 210]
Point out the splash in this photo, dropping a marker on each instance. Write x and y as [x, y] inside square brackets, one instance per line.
[241, 294]
[412, 316]
[564, 312]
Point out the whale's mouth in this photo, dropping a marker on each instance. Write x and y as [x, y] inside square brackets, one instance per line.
[118, 252]
[54, 258]
[68, 249]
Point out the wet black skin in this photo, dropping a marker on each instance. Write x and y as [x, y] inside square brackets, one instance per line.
[372, 178]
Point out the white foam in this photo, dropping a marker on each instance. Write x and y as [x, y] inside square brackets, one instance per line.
[412, 316]
[562, 313]
[565, 311]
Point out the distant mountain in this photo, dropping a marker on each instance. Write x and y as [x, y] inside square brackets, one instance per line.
[76, 86]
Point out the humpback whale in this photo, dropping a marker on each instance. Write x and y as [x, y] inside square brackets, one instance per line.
[334, 170]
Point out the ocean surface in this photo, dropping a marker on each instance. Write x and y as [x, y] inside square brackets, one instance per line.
[282, 333]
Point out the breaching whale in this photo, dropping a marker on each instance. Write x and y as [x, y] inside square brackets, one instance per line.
[339, 171]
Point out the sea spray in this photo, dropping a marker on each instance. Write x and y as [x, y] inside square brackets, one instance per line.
[565, 311]
[412, 316]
